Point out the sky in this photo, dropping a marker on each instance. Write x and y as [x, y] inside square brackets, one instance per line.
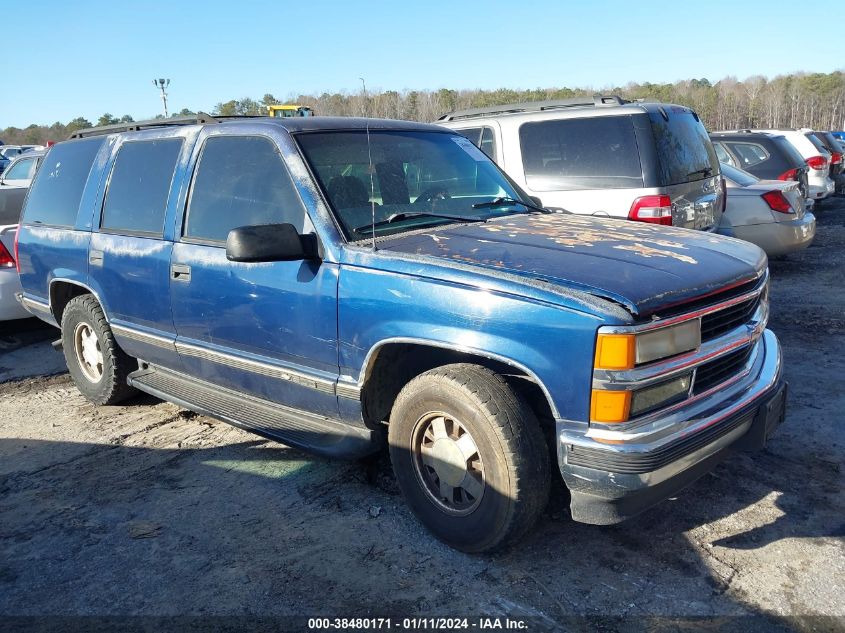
[84, 58]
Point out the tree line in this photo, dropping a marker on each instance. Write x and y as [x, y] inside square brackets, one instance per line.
[814, 100]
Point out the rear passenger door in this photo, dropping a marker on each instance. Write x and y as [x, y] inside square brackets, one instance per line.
[128, 260]
[268, 329]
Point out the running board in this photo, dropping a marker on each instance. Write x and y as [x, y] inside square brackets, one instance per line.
[314, 433]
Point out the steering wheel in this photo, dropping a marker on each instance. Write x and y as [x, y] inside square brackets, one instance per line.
[432, 195]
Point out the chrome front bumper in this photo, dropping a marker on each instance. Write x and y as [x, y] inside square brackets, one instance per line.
[612, 482]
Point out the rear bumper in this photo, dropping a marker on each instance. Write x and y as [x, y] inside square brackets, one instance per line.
[610, 483]
[780, 238]
[821, 188]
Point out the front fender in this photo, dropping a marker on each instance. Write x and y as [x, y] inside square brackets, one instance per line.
[554, 345]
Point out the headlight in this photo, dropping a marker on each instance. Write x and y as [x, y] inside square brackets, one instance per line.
[624, 351]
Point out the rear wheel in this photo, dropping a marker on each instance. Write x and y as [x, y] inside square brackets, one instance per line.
[95, 361]
[469, 457]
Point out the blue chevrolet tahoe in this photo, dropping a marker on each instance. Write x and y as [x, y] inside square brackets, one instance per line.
[338, 284]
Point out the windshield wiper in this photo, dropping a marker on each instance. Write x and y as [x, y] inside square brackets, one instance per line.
[502, 201]
[706, 172]
[396, 217]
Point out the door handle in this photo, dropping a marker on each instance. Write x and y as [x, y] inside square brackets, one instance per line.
[180, 272]
[95, 258]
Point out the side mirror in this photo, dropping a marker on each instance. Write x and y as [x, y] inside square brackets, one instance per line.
[535, 201]
[270, 243]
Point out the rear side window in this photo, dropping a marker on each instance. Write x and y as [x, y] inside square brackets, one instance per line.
[588, 153]
[483, 138]
[684, 151]
[241, 181]
[57, 189]
[20, 170]
[750, 154]
[139, 186]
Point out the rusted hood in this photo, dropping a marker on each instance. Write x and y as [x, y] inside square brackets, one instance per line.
[641, 266]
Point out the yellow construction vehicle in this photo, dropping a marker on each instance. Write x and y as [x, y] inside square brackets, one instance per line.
[289, 110]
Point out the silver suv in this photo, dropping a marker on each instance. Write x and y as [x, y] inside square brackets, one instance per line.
[651, 162]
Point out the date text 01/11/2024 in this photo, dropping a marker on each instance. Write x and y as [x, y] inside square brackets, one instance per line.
[417, 624]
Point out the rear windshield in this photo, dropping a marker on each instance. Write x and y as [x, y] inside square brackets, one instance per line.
[742, 178]
[57, 189]
[793, 155]
[816, 142]
[684, 150]
[589, 153]
[829, 140]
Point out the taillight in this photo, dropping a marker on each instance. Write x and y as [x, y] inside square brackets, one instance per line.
[652, 209]
[792, 174]
[817, 162]
[17, 257]
[835, 158]
[6, 260]
[777, 202]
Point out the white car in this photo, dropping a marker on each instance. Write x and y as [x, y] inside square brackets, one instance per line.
[14, 183]
[604, 156]
[817, 157]
[21, 170]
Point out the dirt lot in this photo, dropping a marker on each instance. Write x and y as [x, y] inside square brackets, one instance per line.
[150, 509]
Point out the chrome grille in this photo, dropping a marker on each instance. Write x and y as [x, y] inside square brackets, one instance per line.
[717, 323]
[719, 370]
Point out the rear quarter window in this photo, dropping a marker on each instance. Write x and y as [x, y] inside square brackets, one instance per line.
[139, 186]
[684, 150]
[57, 189]
[587, 153]
[750, 154]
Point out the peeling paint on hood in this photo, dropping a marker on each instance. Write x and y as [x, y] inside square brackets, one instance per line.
[641, 266]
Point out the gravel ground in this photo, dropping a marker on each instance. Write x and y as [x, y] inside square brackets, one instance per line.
[149, 509]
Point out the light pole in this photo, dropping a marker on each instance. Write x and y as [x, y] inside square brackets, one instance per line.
[161, 84]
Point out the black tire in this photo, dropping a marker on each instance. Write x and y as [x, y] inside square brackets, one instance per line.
[111, 387]
[509, 444]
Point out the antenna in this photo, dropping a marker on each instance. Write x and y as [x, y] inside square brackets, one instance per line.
[371, 168]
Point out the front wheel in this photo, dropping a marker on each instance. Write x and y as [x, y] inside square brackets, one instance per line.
[95, 361]
[469, 457]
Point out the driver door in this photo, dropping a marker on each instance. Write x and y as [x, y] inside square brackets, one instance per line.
[267, 329]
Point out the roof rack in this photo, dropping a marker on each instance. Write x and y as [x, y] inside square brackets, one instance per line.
[536, 106]
[135, 126]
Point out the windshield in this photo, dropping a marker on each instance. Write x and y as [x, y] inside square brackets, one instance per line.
[742, 178]
[416, 178]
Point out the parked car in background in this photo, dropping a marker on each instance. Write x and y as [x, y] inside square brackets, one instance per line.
[340, 284]
[605, 156]
[21, 170]
[831, 144]
[10, 284]
[767, 156]
[9, 152]
[14, 183]
[816, 157]
[768, 213]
